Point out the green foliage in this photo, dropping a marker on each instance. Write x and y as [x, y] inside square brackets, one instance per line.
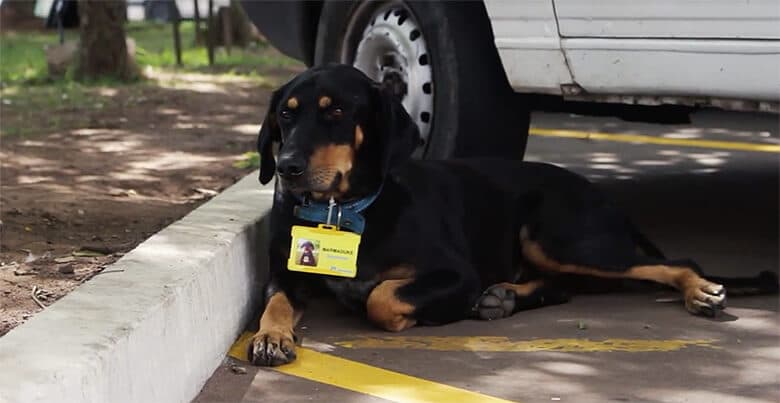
[154, 44]
[23, 56]
[250, 160]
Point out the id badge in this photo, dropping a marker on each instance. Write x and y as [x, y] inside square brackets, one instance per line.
[324, 250]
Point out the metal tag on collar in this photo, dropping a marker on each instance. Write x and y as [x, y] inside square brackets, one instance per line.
[331, 205]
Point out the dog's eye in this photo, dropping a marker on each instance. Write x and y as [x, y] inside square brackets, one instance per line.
[285, 114]
[337, 113]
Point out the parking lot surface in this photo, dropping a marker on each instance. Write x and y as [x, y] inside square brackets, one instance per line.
[706, 190]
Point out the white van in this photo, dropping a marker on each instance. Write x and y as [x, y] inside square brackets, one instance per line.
[458, 65]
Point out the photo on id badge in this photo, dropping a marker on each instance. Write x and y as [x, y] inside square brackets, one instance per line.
[307, 252]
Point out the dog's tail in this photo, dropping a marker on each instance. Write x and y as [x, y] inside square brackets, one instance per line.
[644, 244]
[763, 283]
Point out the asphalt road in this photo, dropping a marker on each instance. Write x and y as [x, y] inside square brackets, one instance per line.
[716, 202]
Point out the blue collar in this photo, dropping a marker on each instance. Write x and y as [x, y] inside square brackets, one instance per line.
[344, 216]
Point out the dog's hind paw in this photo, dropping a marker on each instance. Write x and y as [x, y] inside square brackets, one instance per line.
[495, 303]
[707, 299]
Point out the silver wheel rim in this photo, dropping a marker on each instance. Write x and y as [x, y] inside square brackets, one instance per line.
[392, 50]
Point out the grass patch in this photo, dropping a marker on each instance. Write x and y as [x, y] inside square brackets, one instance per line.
[63, 105]
[61, 95]
[249, 160]
[154, 44]
[31, 103]
[23, 56]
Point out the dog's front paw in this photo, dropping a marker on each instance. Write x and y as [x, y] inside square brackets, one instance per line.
[270, 348]
[495, 303]
[705, 298]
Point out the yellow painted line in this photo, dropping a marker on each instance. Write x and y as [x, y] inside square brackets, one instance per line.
[504, 344]
[240, 349]
[640, 138]
[362, 378]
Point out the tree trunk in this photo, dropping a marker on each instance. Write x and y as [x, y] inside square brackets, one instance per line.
[210, 34]
[103, 50]
[199, 38]
[240, 31]
[243, 30]
[16, 12]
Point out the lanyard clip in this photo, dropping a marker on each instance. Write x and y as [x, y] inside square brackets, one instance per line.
[331, 205]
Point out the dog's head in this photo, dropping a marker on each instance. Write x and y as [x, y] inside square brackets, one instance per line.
[339, 134]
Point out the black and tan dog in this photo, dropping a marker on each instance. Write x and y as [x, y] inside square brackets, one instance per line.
[443, 240]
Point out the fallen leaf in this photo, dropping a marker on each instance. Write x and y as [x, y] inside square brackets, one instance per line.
[87, 253]
[30, 257]
[670, 299]
[122, 192]
[11, 265]
[207, 192]
[67, 268]
[97, 248]
[238, 370]
[24, 271]
[48, 216]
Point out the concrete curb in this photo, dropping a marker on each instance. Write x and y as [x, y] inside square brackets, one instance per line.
[154, 325]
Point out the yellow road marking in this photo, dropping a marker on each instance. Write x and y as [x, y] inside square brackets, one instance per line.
[398, 387]
[362, 378]
[503, 344]
[640, 138]
[240, 349]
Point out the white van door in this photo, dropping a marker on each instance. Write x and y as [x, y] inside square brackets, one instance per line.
[725, 49]
[714, 19]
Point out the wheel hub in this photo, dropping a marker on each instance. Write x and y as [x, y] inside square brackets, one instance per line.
[392, 51]
[394, 82]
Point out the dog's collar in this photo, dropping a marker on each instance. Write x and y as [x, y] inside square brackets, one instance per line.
[344, 215]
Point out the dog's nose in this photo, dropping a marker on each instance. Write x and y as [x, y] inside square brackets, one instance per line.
[290, 165]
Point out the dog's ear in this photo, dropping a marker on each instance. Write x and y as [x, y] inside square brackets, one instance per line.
[400, 135]
[269, 134]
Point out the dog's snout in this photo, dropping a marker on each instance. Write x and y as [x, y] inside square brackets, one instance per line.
[290, 165]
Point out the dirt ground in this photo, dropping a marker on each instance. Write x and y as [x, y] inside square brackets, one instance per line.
[83, 182]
